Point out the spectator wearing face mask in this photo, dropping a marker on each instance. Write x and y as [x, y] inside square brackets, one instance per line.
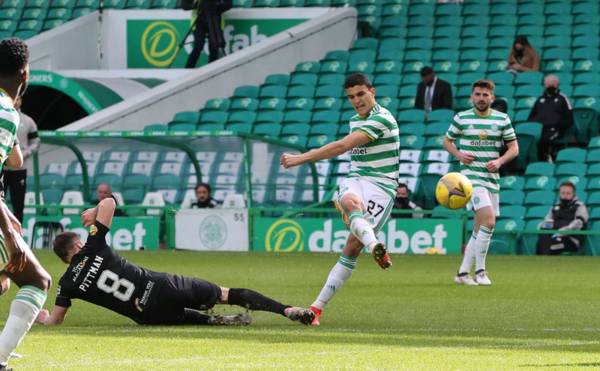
[523, 57]
[403, 202]
[204, 198]
[432, 92]
[555, 112]
[569, 214]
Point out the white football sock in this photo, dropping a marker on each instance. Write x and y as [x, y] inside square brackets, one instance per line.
[482, 245]
[341, 271]
[362, 229]
[469, 257]
[23, 310]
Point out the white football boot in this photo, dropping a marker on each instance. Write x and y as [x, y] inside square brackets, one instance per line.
[465, 280]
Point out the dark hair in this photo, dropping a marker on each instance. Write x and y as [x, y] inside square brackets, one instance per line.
[205, 185]
[14, 56]
[426, 71]
[484, 84]
[521, 39]
[403, 185]
[357, 79]
[568, 184]
[63, 243]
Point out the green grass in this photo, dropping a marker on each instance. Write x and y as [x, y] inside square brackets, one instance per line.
[541, 313]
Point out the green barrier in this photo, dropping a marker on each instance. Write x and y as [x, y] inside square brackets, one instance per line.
[126, 233]
[402, 236]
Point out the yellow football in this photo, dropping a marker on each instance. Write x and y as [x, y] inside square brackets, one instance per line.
[454, 191]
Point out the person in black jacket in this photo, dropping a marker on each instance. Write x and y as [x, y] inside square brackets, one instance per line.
[208, 24]
[205, 200]
[555, 112]
[432, 93]
[568, 215]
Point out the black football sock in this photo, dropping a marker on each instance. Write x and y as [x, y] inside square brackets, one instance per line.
[253, 300]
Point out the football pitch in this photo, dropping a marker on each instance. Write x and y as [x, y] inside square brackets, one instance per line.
[540, 313]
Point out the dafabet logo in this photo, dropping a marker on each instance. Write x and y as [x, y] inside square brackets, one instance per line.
[159, 43]
[284, 235]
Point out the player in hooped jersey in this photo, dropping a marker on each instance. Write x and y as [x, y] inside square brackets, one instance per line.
[17, 262]
[480, 133]
[366, 196]
[97, 274]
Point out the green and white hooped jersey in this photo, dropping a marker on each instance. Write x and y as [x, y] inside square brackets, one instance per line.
[481, 137]
[377, 161]
[9, 122]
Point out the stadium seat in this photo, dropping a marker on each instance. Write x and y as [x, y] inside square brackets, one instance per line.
[516, 212]
[540, 182]
[539, 168]
[571, 169]
[540, 198]
[511, 182]
[571, 155]
[510, 197]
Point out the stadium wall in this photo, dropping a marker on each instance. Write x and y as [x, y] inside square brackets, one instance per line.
[310, 40]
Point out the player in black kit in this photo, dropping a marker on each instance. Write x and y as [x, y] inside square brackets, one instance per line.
[98, 275]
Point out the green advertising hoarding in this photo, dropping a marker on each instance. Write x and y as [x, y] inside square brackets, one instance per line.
[155, 43]
[126, 233]
[401, 236]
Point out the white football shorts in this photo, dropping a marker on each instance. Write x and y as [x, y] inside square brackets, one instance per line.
[377, 203]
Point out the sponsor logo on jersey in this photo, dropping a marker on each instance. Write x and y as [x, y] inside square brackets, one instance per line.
[358, 151]
[483, 134]
[78, 268]
[482, 143]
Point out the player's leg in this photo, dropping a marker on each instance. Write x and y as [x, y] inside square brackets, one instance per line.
[254, 300]
[338, 275]
[360, 200]
[487, 220]
[463, 277]
[34, 283]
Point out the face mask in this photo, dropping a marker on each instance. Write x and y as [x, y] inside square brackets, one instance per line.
[402, 201]
[551, 90]
[519, 53]
[564, 202]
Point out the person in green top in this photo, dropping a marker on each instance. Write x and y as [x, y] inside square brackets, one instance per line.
[17, 261]
[366, 196]
[480, 133]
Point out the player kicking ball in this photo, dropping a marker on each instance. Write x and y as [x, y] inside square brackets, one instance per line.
[480, 133]
[17, 262]
[98, 275]
[366, 196]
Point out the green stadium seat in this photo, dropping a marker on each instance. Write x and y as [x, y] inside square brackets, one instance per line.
[540, 198]
[528, 91]
[296, 129]
[586, 91]
[528, 134]
[412, 115]
[155, 128]
[529, 241]
[593, 156]
[246, 91]
[332, 79]
[303, 78]
[336, 67]
[422, 56]
[337, 55]
[8, 26]
[446, 43]
[164, 4]
[469, 78]
[334, 91]
[271, 104]
[411, 142]
[413, 129]
[301, 91]
[316, 141]
[473, 66]
[80, 12]
[209, 126]
[11, 4]
[242, 104]
[571, 169]
[324, 128]
[537, 212]
[434, 142]
[497, 65]
[268, 129]
[277, 79]
[210, 117]
[571, 155]
[529, 78]
[327, 116]
[408, 91]
[365, 43]
[506, 243]
[317, 3]
[447, 32]
[539, 168]
[239, 127]
[137, 4]
[296, 117]
[217, 104]
[585, 53]
[593, 199]
[593, 170]
[446, 66]
[586, 66]
[245, 117]
[510, 197]
[389, 67]
[540, 182]
[511, 182]
[436, 128]
[273, 91]
[300, 104]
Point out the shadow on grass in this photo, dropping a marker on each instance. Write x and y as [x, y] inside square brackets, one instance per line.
[286, 334]
[586, 364]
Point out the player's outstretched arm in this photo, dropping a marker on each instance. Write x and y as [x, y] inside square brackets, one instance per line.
[57, 316]
[329, 150]
[103, 213]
